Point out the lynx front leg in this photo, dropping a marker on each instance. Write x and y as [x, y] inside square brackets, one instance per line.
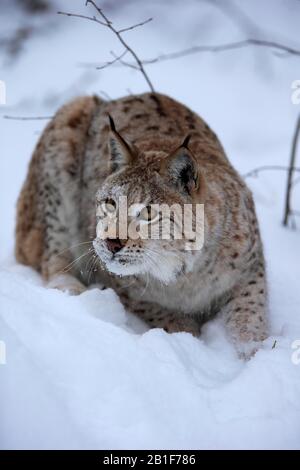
[66, 283]
[169, 321]
[246, 316]
[175, 323]
[60, 189]
[61, 262]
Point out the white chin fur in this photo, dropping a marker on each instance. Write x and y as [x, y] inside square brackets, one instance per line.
[165, 270]
[121, 269]
[165, 274]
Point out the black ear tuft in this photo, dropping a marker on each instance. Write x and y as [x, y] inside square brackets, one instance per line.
[112, 123]
[121, 153]
[186, 141]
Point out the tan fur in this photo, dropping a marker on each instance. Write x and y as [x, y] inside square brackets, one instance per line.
[29, 232]
[70, 126]
[144, 153]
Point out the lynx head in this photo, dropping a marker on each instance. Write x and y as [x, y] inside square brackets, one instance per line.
[149, 219]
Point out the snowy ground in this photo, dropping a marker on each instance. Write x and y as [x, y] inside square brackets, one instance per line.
[82, 373]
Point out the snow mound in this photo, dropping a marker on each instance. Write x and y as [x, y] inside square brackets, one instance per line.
[82, 373]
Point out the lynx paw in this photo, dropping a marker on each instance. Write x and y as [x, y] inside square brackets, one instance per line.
[183, 324]
[66, 283]
[246, 351]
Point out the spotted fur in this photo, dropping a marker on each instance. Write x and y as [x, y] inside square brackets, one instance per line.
[74, 168]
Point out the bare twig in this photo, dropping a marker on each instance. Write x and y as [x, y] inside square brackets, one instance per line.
[105, 95]
[281, 50]
[85, 17]
[292, 169]
[226, 47]
[257, 170]
[122, 62]
[111, 62]
[105, 21]
[135, 26]
[296, 181]
[236, 15]
[119, 36]
[28, 118]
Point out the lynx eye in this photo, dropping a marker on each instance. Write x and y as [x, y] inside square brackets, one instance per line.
[108, 206]
[148, 214]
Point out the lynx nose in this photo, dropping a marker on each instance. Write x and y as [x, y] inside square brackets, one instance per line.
[114, 244]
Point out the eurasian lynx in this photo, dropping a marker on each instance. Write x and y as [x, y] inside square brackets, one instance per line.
[153, 150]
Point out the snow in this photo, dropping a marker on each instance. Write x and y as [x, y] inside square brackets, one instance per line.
[81, 372]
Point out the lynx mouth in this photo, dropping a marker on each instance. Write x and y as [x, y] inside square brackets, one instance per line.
[117, 263]
[162, 266]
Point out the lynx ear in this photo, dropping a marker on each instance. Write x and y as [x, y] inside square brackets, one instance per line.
[121, 153]
[181, 168]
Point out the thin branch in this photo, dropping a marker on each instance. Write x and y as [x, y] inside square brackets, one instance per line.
[130, 50]
[225, 47]
[107, 23]
[27, 118]
[236, 15]
[129, 91]
[111, 62]
[257, 170]
[85, 17]
[126, 64]
[292, 169]
[124, 30]
[99, 10]
[105, 95]
[280, 50]
[296, 181]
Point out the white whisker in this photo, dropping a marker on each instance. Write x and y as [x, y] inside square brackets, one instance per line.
[70, 265]
[70, 248]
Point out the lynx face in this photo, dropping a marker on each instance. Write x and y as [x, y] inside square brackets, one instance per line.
[145, 212]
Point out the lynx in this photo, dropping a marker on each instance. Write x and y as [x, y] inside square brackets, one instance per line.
[152, 150]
